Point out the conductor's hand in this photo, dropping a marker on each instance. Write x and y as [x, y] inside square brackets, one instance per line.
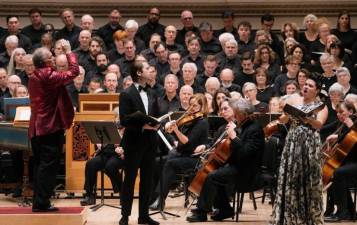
[66, 46]
[120, 152]
[199, 149]
[148, 127]
[230, 130]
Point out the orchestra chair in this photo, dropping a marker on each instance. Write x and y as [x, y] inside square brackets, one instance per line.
[269, 169]
[101, 204]
[186, 178]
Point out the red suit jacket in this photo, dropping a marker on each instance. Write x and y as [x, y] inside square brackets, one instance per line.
[51, 107]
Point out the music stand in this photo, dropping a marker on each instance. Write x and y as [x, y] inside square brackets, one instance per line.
[102, 132]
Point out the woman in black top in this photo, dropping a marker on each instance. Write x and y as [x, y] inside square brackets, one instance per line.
[308, 36]
[266, 58]
[343, 30]
[188, 137]
[218, 97]
[265, 91]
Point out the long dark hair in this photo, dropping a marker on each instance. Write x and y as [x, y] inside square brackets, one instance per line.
[349, 19]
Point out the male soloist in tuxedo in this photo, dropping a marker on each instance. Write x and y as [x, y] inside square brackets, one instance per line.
[139, 143]
[51, 113]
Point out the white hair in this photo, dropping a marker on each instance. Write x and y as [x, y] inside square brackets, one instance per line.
[241, 105]
[327, 56]
[190, 65]
[213, 80]
[12, 39]
[232, 41]
[343, 70]
[308, 17]
[223, 38]
[337, 88]
[248, 84]
[131, 24]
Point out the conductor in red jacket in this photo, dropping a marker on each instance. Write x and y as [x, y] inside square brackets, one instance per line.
[51, 113]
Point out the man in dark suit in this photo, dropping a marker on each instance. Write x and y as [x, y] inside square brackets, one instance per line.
[138, 154]
[242, 166]
[51, 113]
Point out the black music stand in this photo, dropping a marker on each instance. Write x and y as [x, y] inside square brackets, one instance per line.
[102, 132]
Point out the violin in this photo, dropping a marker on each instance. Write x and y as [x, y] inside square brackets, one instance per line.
[188, 118]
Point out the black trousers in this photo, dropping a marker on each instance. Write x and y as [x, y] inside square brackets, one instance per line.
[175, 164]
[111, 165]
[47, 151]
[217, 188]
[143, 159]
[338, 193]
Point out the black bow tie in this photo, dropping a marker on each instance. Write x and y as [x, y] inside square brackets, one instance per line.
[141, 88]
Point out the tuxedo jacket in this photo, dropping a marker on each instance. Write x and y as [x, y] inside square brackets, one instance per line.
[135, 137]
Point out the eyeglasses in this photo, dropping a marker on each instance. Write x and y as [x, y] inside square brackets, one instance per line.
[187, 18]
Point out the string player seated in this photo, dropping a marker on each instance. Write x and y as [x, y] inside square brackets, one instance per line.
[241, 168]
[109, 157]
[338, 193]
[188, 136]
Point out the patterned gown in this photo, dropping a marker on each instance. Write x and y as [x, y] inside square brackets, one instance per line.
[299, 193]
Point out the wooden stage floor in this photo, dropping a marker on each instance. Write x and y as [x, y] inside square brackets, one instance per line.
[110, 216]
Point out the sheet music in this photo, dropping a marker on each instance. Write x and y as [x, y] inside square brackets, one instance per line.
[24, 113]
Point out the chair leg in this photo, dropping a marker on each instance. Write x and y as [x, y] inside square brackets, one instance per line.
[186, 193]
[263, 196]
[234, 203]
[253, 199]
[355, 203]
[241, 202]
[238, 208]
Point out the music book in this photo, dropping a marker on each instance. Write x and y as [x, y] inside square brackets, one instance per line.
[10, 105]
[22, 116]
[292, 110]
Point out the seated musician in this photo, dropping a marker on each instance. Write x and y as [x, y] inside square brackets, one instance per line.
[189, 136]
[242, 166]
[338, 193]
[108, 157]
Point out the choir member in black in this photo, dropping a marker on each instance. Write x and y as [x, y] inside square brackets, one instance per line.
[36, 29]
[153, 84]
[291, 87]
[209, 43]
[186, 91]
[70, 31]
[152, 26]
[149, 53]
[242, 166]
[302, 77]
[188, 25]
[210, 65]
[319, 46]
[189, 73]
[292, 65]
[106, 32]
[250, 92]
[82, 51]
[131, 27]
[108, 157]
[247, 72]
[188, 136]
[328, 76]
[230, 59]
[227, 79]
[310, 35]
[125, 63]
[245, 41]
[299, 52]
[266, 58]
[344, 77]
[228, 24]
[264, 91]
[137, 153]
[117, 52]
[220, 95]
[174, 60]
[194, 55]
[76, 88]
[338, 193]
[343, 30]
[161, 59]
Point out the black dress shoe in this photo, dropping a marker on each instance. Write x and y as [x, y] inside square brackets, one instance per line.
[88, 200]
[197, 217]
[222, 214]
[124, 220]
[48, 209]
[337, 217]
[147, 220]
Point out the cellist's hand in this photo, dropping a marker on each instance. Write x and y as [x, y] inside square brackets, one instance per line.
[230, 130]
[199, 149]
[331, 138]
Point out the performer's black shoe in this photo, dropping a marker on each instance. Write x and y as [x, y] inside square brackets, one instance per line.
[198, 216]
[147, 220]
[47, 209]
[124, 220]
[88, 200]
[220, 215]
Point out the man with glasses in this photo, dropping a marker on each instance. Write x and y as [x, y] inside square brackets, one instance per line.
[152, 26]
[187, 21]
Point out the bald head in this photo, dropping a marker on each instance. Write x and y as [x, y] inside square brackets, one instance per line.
[111, 82]
[13, 82]
[114, 68]
[61, 62]
[212, 85]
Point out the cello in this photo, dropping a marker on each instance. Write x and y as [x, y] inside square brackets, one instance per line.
[218, 155]
[334, 157]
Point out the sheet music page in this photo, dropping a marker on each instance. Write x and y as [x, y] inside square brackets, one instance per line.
[24, 113]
